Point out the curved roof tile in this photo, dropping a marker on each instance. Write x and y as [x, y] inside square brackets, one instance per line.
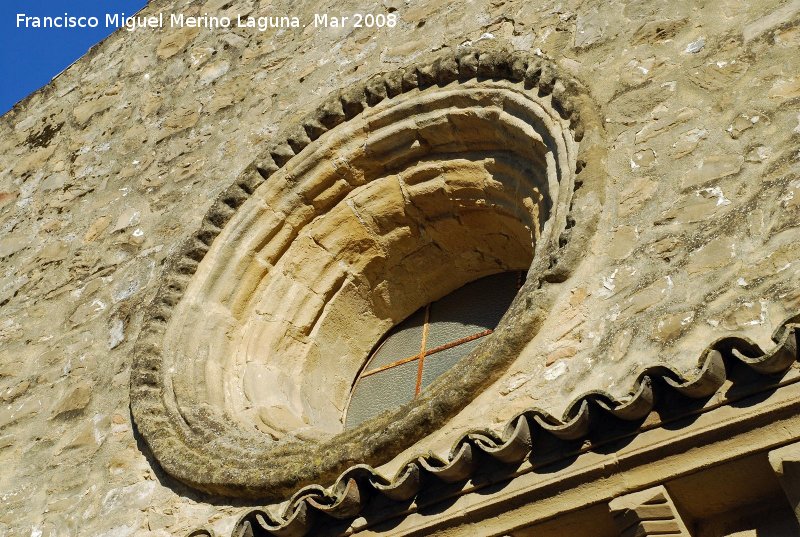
[346, 499]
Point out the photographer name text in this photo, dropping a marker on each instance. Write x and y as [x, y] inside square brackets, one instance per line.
[213, 22]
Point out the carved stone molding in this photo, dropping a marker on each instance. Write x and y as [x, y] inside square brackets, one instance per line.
[322, 233]
[786, 463]
[647, 513]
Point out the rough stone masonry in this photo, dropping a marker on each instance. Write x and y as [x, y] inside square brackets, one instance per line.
[105, 172]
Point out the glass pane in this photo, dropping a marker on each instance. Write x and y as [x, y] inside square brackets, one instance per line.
[382, 391]
[438, 363]
[402, 341]
[473, 308]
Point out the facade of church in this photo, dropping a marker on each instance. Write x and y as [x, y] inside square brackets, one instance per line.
[418, 268]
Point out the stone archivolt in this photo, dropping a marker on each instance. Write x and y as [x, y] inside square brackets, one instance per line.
[393, 194]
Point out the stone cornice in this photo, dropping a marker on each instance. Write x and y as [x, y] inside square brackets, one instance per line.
[742, 400]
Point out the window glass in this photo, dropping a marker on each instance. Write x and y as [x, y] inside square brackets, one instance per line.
[421, 348]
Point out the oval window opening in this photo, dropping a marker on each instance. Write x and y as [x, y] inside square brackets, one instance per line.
[426, 344]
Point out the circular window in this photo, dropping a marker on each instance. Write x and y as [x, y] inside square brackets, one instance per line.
[376, 211]
[428, 343]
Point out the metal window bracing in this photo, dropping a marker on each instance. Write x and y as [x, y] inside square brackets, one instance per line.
[422, 347]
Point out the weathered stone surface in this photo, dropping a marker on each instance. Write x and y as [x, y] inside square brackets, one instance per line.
[76, 398]
[635, 194]
[176, 41]
[713, 167]
[162, 122]
[83, 112]
[716, 254]
[12, 245]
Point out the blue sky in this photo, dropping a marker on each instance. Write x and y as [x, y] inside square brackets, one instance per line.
[30, 57]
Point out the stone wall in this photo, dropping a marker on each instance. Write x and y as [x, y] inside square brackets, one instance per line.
[106, 171]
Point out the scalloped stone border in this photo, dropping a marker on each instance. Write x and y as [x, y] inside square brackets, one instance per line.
[194, 444]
